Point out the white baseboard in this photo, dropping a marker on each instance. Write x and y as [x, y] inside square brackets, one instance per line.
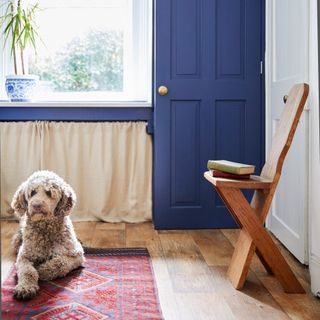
[314, 267]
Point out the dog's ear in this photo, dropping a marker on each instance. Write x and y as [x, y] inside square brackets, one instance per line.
[67, 201]
[19, 202]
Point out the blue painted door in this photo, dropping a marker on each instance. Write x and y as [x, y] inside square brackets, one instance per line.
[208, 54]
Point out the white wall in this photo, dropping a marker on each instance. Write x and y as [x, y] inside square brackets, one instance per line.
[314, 209]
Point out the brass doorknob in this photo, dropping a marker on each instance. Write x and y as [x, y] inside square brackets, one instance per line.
[285, 98]
[163, 90]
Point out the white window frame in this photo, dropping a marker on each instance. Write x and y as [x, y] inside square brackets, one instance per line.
[139, 20]
[5, 64]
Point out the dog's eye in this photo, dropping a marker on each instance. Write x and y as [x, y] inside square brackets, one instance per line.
[48, 193]
[33, 192]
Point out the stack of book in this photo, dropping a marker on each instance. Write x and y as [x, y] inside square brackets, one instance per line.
[230, 170]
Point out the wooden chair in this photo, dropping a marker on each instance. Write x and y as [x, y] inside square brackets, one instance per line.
[251, 217]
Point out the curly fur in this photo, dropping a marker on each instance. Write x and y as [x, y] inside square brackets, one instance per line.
[46, 244]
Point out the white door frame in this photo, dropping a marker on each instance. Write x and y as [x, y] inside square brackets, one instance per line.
[314, 199]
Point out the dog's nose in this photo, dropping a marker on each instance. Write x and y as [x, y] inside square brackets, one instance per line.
[36, 206]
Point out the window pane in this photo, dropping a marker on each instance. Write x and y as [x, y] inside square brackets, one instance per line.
[87, 50]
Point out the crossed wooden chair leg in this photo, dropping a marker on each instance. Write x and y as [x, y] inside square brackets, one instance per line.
[254, 238]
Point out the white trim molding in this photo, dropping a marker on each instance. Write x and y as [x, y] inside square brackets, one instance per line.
[314, 266]
[314, 200]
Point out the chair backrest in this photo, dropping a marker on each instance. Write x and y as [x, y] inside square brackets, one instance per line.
[286, 128]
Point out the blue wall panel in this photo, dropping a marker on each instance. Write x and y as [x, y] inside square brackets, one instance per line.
[75, 113]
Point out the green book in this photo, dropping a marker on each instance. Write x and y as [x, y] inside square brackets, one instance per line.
[231, 167]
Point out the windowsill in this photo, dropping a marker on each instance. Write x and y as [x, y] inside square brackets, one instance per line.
[76, 104]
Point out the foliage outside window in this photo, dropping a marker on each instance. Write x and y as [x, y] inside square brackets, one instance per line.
[90, 63]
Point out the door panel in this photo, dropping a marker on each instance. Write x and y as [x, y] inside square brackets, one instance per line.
[288, 56]
[185, 187]
[230, 24]
[186, 39]
[208, 54]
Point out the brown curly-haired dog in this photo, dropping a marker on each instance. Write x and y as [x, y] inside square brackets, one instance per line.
[46, 244]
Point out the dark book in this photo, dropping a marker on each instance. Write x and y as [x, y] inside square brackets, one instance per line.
[227, 175]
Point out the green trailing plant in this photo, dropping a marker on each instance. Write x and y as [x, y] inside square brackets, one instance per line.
[19, 29]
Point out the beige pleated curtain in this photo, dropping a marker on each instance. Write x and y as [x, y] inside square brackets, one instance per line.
[109, 165]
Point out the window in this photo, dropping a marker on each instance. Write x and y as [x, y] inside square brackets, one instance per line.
[93, 50]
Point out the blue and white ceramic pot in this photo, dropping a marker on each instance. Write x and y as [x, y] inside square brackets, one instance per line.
[21, 88]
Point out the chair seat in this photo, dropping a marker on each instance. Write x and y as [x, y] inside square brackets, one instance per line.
[255, 182]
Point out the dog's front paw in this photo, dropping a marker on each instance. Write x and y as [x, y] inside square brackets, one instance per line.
[45, 274]
[25, 292]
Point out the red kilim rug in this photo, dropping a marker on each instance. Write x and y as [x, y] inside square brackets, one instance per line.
[114, 284]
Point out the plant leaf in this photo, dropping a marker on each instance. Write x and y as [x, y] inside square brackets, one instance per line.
[20, 25]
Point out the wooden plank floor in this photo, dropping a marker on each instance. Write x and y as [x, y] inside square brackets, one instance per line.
[190, 270]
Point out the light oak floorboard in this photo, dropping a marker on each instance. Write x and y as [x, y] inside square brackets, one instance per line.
[8, 229]
[190, 271]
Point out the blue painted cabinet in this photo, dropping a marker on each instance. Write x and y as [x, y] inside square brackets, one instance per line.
[208, 54]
